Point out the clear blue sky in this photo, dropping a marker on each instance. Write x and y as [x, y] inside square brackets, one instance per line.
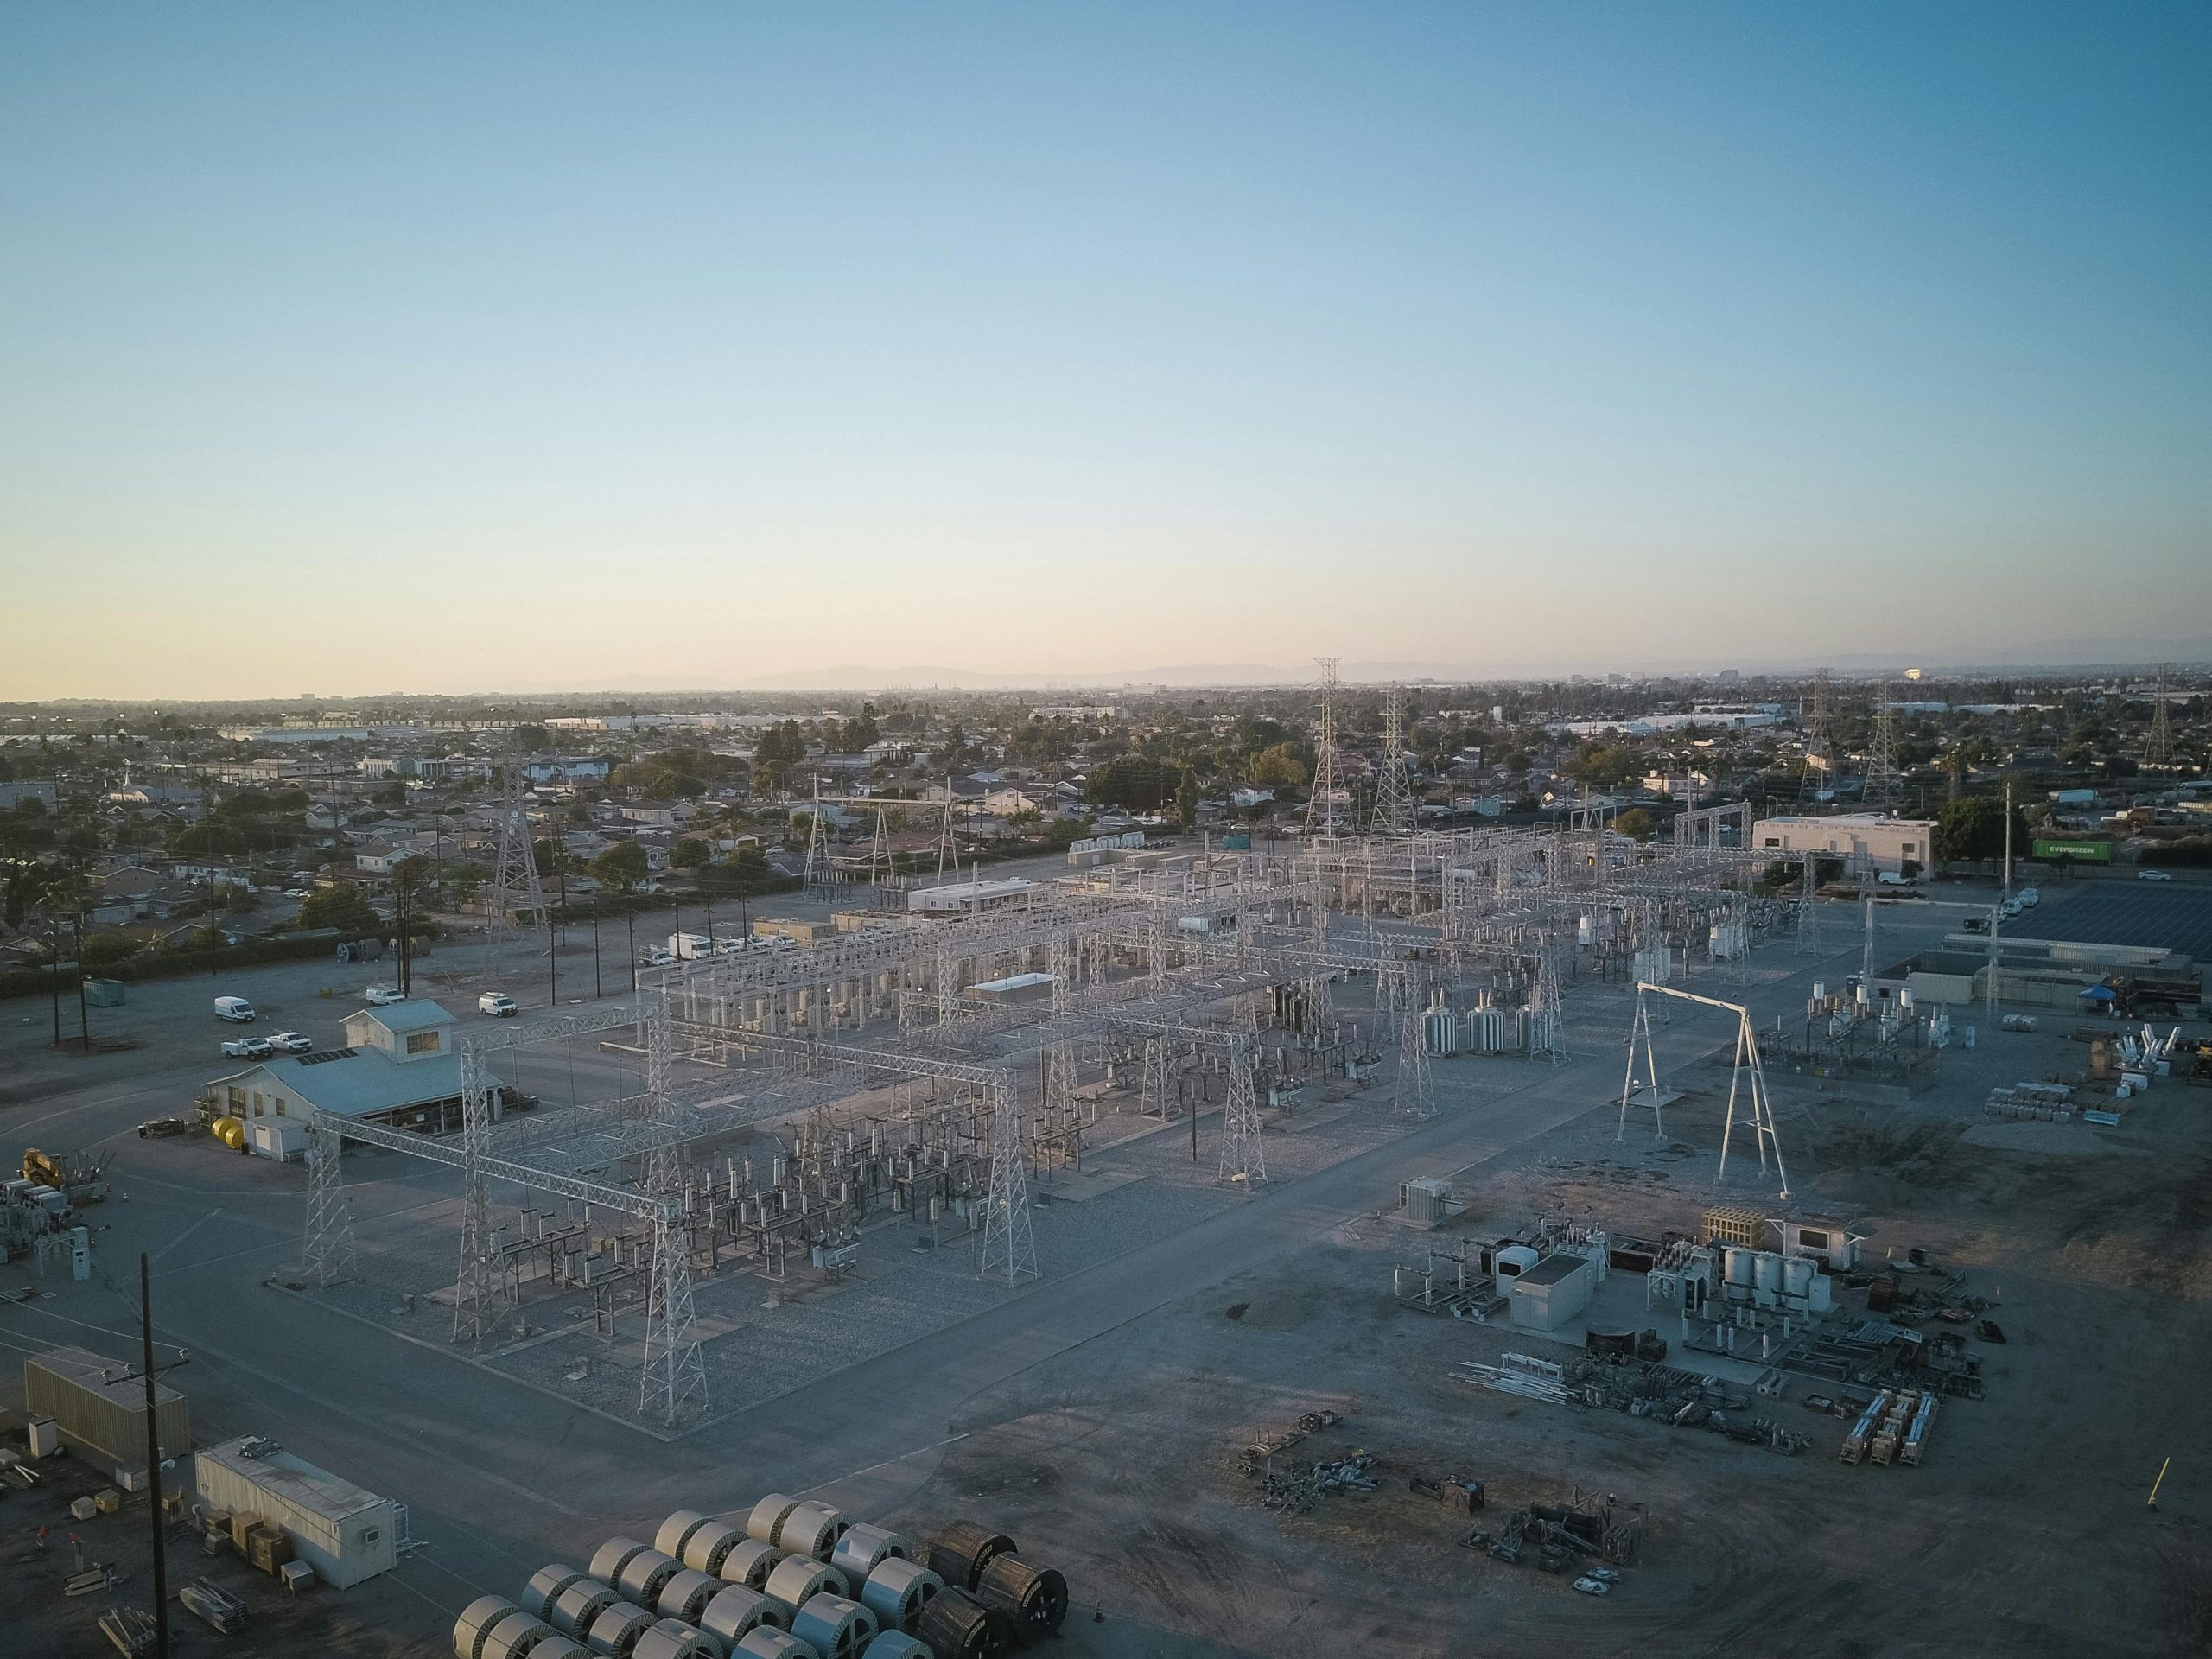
[393, 347]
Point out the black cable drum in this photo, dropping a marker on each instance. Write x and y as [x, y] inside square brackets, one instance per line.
[957, 1626]
[1034, 1600]
[959, 1553]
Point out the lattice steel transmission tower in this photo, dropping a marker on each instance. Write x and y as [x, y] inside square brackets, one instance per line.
[1809, 910]
[1394, 807]
[947, 846]
[1416, 1082]
[1154, 1094]
[816, 872]
[1059, 1078]
[1880, 787]
[1243, 1159]
[1009, 1238]
[1541, 1018]
[2160, 751]
[473, 1293]
[674, 1381]
[514, 900]
[329, 1254]
[1820, 748]
[1324, 808]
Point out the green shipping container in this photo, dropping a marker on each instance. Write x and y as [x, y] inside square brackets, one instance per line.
[2082, 852]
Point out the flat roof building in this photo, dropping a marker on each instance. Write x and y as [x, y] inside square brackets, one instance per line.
[1863, 840]
[971, 898]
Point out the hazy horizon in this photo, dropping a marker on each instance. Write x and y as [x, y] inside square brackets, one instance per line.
[454, 350]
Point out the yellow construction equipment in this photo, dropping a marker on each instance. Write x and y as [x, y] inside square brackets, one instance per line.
[75, 1174]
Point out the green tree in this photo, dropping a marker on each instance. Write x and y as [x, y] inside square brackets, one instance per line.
[1136, 781]
[210, 838]
[1638, 822]
[1974, 827]
[690, 854]
[1604, 766]
[345, 907]
[1278, 767]
[1186, 799]
[104, 949]
[621, 867]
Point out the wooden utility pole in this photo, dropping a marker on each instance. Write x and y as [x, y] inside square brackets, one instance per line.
[154, 1462]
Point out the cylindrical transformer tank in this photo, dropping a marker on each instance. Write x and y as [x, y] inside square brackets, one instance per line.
[614, 1633]
[1766, 1269]
[811, 1528]
[513, 1635]
[676, 1530]
[798, 1578]
[611, 1557]
[897, 1644]
[962, 1550]
[1033, 1598]
[957, 1626]
[575, 1608]
[835, 1627]
[736, 1610]
[671, 1638]
[480, 1616]
[862, 1547]
[749, 1562]
[545, 1585]
[768, 1515]
[896, 1592]
[1738, 1263]
[707, 1545]
[765, 1644]
[644, 1573]
[1797, 1275]
[686, 1594]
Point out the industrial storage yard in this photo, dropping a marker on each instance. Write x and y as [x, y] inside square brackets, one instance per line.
[917, 1225]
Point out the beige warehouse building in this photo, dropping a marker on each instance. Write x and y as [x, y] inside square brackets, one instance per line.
[1867, 840]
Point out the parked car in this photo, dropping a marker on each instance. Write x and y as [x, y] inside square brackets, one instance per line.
[236, 1009]
[247, 1048]
[2027, 898]
[291, 1042]
[383, 996]
[658, 959]
[2152, 876]
[295, 892]
[498, 1004]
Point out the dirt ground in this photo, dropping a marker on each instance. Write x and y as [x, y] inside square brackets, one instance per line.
[2026, 1531]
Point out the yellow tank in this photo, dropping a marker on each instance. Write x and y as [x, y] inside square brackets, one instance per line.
[229, 1132]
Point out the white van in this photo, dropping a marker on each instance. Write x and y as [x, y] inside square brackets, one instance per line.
[236, 1009]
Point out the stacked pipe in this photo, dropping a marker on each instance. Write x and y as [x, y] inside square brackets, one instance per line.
[799, 1580]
